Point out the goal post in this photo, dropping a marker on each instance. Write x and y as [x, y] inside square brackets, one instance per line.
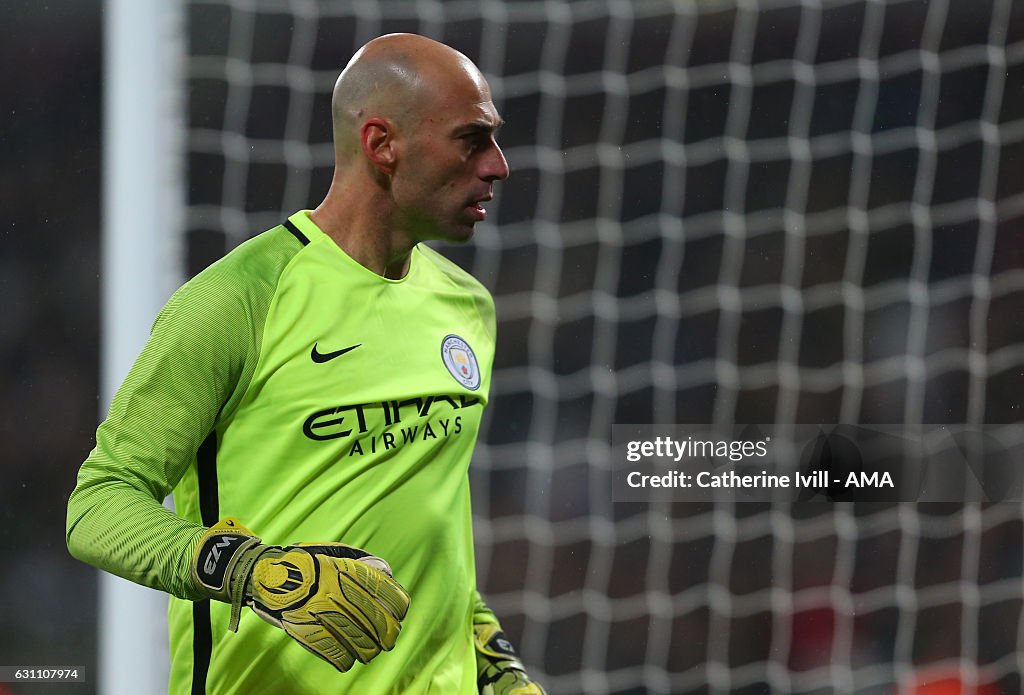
[143, 210]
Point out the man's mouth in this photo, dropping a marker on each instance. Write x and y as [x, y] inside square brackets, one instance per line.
[477, 212]
[476, 208]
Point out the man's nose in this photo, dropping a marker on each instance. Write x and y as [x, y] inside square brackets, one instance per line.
[495, 167]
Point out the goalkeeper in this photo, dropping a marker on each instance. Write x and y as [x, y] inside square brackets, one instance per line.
[323, 385]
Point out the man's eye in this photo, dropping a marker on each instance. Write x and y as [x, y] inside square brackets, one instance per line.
[475, 141]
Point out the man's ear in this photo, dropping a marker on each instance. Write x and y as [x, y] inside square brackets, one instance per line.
[377, 140]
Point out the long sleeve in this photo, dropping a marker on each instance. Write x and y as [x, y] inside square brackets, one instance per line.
[199, 350]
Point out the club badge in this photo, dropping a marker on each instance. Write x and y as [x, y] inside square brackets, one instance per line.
[458, 357]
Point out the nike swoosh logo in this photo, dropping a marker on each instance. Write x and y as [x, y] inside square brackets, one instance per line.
[321, 357]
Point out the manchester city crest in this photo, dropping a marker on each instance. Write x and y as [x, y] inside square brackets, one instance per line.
[458, 357]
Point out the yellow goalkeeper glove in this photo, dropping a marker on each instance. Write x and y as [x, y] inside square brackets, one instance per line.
[498, 669]
[337, 601]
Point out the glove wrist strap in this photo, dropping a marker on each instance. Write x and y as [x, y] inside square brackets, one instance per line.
[222, 564]
[492, 644]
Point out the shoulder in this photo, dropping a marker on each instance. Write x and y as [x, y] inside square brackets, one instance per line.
[241, 282]
[454, 274]
[465, 285]
[257, 261]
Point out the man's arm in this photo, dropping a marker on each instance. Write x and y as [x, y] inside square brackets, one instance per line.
[498, 667]
[158, 419]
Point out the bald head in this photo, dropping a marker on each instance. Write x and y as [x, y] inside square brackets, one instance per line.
[416, 153]
[396, 77]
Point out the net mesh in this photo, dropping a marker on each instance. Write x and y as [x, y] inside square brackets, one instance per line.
[719, 212]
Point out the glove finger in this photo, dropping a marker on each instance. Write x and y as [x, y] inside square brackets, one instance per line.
[362, 643]
[380, 587]
[378, 564]
[366, 601]
[339, 550]
[315, 638]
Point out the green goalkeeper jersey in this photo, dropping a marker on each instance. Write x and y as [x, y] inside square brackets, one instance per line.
[292, 388]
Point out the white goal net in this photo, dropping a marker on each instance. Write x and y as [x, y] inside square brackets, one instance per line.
[719, 212]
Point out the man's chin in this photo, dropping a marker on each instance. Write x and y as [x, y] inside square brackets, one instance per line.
[459, 234]
[452, 234]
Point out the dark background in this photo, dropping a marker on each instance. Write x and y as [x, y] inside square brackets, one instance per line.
[50, 178]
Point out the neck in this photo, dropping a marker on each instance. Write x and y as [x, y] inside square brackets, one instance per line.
[356, 217]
